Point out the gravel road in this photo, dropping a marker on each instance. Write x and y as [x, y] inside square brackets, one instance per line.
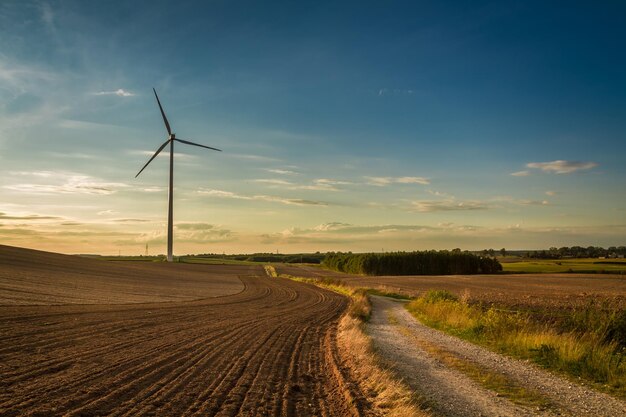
[448, 392]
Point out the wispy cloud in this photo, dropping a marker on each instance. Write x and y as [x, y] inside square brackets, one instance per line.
[185, 233]
[273, 182]
[281, 171]
[322, 184]
[383, 181]
[120, 92]
[163, 154]
[520, 173]
[267, 198]
[64, 183]
[131, 220]
[251, 157]
[533, 202]
[448, 205]
[551, 193]
[562, 167]
[28, 217]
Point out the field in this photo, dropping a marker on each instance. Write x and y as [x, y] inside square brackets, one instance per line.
[514, 290]
[585, 265]
[87, 337]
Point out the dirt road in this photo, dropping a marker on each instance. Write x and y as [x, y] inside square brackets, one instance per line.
[269, 349]
[422, 357]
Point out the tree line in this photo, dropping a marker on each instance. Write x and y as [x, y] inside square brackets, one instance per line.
[578, 252]
[412, 263]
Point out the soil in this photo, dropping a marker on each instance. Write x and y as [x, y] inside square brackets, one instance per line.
[397, 335]
[518, 290]
[166, 340]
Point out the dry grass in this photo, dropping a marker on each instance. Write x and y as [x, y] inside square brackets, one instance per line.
[388, 396]
[270, 271]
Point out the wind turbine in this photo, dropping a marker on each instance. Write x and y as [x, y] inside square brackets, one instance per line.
[170, 140]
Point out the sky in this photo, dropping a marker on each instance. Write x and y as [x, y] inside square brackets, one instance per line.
[345, 126]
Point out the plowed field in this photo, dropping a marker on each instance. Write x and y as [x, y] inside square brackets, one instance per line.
[523, 290]
[263, 346]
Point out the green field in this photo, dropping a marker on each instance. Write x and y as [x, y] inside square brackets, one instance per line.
[588, 265]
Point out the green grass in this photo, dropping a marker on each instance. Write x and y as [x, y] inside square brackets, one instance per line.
[215, 261]
[589, 345]
[586, 265]
[397, 296]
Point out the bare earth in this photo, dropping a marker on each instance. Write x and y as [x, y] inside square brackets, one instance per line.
[233, 341]
[44, 278]
[523, 290]
[397, 337]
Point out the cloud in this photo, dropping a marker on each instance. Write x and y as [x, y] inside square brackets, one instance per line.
[177, 155]
[448, 205]
[267, 198]
[251, 157]
[64, 183]
[131, 220]
[120, 92]
[383, 181]
[273, 182]
[551, 193]
[29, 217]
[187, 233]
[533, 202]
[322, 184]
[282, 171]
[338, 232]
[562, 167]
[153, 189]
[520, 174]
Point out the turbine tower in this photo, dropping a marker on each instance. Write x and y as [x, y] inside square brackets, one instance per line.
[170, 140]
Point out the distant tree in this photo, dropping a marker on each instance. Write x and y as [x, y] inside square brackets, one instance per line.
[503, 252]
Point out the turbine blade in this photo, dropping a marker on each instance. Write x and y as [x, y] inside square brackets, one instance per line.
[196, 144]
[153, 156]
[167, 125]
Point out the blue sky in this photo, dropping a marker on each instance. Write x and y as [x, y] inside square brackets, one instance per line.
[345, 126]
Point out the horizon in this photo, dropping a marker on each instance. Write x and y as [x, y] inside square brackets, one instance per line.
[344, 127]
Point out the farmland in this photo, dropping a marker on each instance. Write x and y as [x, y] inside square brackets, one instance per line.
[577, 265]
[92, 337]
[144, 339]
[514, 290]
[570, 323]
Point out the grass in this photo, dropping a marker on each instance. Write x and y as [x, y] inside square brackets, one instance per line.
[586, 265]
[490, 380]
[390, 294]
[589, 343]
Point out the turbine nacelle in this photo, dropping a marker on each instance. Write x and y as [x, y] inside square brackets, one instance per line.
[172, 136]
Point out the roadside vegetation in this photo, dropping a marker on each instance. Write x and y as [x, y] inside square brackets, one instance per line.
[412, 263]
[587, 343]
[387, 395]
